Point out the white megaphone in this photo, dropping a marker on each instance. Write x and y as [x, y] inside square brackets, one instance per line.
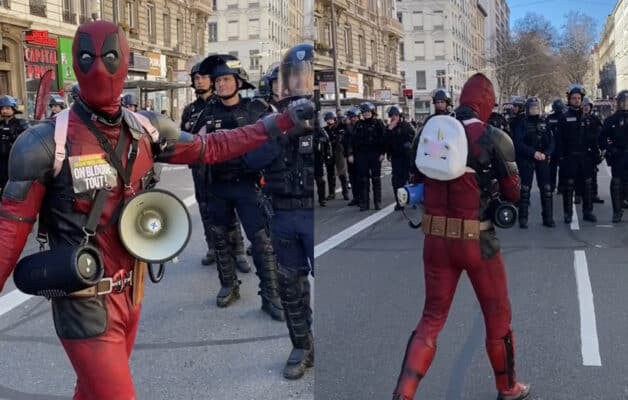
[155, 226]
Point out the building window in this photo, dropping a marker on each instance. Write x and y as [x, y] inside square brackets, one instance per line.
[180, 31]
[167, 30]
[4, 55]
[441, 78]
[150, 22]
[439, 49]
[402, 54]
[420, 80]
[116, 11]
[193, 37]
[438, 20]
[232, 30]
[213, 32]
[400, 17]
[374, 55]
[84, 13]
[419, 50]
[6, 4]
[254, 56]
[129, 14]
[417, 20]
[253, 28]
[362, 47]
[348, 44]
[69, 16]
[37, 7]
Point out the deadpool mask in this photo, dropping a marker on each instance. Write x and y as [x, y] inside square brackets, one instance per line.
[101, 61]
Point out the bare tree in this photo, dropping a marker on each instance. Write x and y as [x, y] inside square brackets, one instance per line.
[575, 46]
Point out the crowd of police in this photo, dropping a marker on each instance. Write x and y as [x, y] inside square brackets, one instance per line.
[269, 191]
[562, 149]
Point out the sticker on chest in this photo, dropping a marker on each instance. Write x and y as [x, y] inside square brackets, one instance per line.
[92, 172]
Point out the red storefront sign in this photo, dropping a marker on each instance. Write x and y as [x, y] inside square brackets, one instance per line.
[40, 38]
[40, 54]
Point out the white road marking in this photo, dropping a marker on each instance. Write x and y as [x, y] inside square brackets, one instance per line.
[588, 326]
[574, 219]
[342, 236]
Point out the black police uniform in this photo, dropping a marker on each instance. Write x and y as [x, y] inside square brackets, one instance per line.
[614, 139]
[367, 146]
[336, 164]
[234, 187]
[10, 129]
[399, 152]
[531, 136]
[579, 152]
[351, 168]
[322, 154]
[551, 124]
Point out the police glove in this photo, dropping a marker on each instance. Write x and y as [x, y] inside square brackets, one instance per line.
[300, 112]
[294, 119]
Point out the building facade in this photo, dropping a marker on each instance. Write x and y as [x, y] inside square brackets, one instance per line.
[444, 43]
[367, 49]
[257, 32]
[611, 53]
[37, 36]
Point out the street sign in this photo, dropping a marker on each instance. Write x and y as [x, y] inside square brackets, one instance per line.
[384, 95]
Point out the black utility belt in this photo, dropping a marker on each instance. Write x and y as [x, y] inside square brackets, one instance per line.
[286, 203]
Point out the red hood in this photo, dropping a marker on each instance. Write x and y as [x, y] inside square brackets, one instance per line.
[478, 94]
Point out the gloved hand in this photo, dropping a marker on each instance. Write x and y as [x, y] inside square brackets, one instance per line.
[300, 112]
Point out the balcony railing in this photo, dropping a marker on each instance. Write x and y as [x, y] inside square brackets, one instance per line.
[38, 10]
[83, 19]
[69, 17]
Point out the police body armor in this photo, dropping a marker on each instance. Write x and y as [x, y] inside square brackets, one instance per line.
[196, 114]
[247, 111]
[536, 135]
[9, 131]
[368, 135]
[580, 133]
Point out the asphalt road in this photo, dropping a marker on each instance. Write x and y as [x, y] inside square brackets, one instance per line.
[570, 342]
[186, 349]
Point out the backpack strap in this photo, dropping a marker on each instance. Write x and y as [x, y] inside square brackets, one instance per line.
[61, 135]
[148, 127]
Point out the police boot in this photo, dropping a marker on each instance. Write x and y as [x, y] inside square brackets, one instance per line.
[320, 191]
[301, 357]
[524, 203]
[587, 201]
[355, 191]
[230, 285]
[616, 199]
[501, 353]
[237, 247]
[416, 361]
[266, 265]
[377, 193]
[547, 207]
[364, 194]
[344, 183]
[568, 190]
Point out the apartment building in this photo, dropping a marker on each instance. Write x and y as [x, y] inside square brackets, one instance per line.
[611, 53]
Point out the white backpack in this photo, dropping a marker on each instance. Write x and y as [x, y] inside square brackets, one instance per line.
[443, 149]
[61, 134]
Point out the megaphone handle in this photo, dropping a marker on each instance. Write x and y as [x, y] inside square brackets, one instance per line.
[156, 278]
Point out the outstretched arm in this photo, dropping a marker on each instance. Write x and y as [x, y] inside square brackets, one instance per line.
[30, 163]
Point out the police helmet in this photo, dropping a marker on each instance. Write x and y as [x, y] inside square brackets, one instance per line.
[353, 112]
[76, 91]
[533, 106]
[518, 101]
[225, 64]
[586, 102]
[296, 72]
[329, 115]
[394, 110]
[56, 100]
[130, 99]
[441, 95]
[265, 87]
[367, 107]
[194, 71]
[558, 106]
[8, 101]
[576, 88]
[622, 100]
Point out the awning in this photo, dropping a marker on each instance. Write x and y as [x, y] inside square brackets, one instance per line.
[154, 86]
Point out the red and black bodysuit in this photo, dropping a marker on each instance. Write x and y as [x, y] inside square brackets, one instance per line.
[459, 237]
[98, 332]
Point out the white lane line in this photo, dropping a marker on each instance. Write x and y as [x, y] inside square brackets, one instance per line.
[342, 236]
[14, 298]
[588, 326]
[574, 219]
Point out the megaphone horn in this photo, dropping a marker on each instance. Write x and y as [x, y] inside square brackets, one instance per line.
[155, 226]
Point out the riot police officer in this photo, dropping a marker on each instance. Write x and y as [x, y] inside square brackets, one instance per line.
[56, 104]
[587, 109]
[399, 138]
[578, 151]
[194, 117]
[353, 116]
[534, 146]
[130, 101]
[322, 156]
[76, 92]
[551, 123]
[288, 169]
[498, 120]
[337, 165]
[368, 150]
[517, 112]
[614, 139]
[442, 102]
[10, 129]
[234, 187]
[268, 89]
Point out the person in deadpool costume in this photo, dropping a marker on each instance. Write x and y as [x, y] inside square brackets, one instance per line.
[98, 331]
[460, 237]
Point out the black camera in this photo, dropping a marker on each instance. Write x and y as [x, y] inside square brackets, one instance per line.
[503, 214]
